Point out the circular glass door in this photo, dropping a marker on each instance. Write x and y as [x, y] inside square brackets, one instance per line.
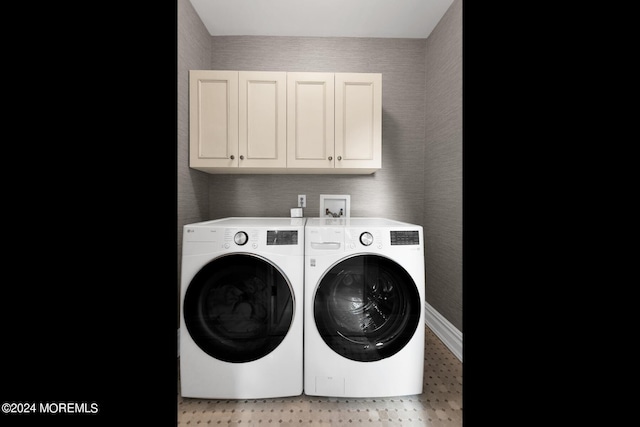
[367, 308]
[238, 308]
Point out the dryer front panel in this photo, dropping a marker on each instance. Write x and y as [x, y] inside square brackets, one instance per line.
[366, 308]
[238, 308]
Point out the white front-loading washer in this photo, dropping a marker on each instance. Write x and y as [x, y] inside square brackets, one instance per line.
[364, 317]
[241, 301]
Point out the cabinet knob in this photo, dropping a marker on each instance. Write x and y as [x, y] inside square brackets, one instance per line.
[232, 157]
[241, 157]
[330, 158]
[339, 157]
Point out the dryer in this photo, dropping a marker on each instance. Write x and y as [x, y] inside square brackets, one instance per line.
[241, 300]
[364, 317]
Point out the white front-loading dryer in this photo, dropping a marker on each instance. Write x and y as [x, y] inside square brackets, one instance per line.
[241, 301]
[364, 317]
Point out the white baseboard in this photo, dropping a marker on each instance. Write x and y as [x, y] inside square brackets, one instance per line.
[448, 334]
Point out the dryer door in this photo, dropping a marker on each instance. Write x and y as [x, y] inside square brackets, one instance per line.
[238, 308]
[367, 308]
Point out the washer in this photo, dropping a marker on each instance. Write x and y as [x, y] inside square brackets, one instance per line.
[241, 302]
[364, 317]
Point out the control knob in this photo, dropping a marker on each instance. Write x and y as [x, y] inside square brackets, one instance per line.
[366, 238]
[240, 238]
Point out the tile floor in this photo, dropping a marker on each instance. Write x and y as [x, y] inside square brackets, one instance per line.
[440, 404]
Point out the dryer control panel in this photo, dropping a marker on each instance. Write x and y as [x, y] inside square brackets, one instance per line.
[282, 237]
[405, 237]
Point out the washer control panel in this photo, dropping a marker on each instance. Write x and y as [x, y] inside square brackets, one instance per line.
[282, 237]
[271, 238]
[405, 237]
[274, 236]
[364, 238]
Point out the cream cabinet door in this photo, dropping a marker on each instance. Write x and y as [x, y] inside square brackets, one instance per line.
[310, 120]
[262, 119]
[213, 119]
[358, 120]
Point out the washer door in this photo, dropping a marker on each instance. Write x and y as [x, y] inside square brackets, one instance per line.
[367, 308]
[238, 308]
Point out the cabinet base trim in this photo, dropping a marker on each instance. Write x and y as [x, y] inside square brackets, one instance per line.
[288, 171]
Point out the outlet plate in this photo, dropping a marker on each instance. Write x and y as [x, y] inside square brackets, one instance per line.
[302, 200]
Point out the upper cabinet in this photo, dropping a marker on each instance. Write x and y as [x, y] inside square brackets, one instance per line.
[279, 122]
[262, 122]
[358, 121]
[310, 120]
[237, 120]
[213, 119]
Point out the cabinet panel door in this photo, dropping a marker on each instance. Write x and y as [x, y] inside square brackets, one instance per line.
[262, 119]
[213, 118]
[358, 120]
[310, 120]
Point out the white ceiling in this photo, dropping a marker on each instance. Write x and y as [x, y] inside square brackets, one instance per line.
[322, 18]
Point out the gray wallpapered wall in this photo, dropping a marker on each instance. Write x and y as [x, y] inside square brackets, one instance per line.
[194, 53]
[442, 218]
[421, 148]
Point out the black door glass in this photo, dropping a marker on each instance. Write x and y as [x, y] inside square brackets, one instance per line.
[238, 308]
[367, 308]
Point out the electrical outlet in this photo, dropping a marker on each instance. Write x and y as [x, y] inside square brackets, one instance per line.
[302, 200]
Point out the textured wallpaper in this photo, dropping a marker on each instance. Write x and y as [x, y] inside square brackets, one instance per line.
[194, 52]
[442, 220]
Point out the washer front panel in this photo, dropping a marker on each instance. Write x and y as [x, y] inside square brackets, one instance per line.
[238, 308]
[366, 308]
